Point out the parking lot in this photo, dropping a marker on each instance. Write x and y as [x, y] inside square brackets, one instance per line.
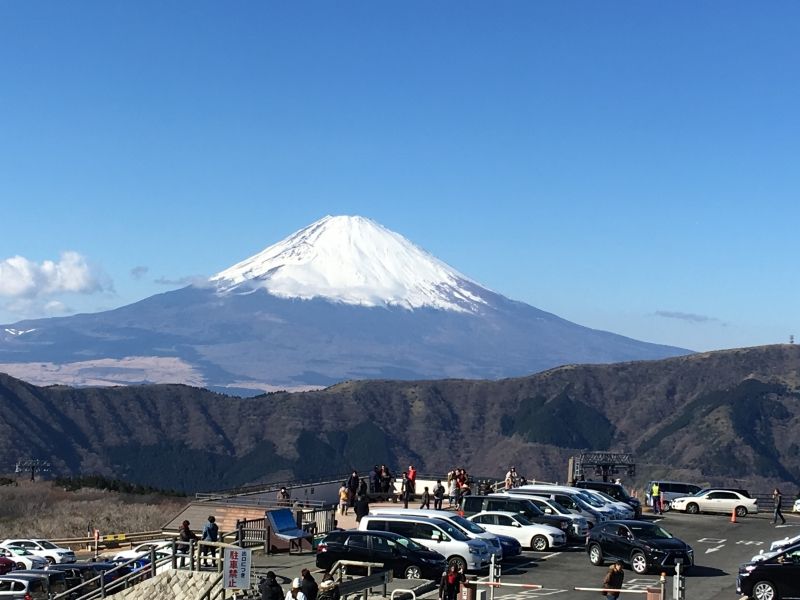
[720, 547]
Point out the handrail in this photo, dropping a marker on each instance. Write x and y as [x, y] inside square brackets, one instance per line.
[114, 538]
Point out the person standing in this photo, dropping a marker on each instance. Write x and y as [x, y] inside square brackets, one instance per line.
[405, 490]
[361, 507]
[344, 496]
[412, 479]
[186, 537]
[353, 483]
[426, 499]
[270, 588]
[613, 581]
[450, 585]
[655, 495]
[308, 585]
[283, 497]
[438, 495]
[777, 500]
[210, 534]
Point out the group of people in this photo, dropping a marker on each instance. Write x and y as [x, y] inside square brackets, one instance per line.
[513, 479]
[186, 537]
[458, 486]
[353, 494]
[304, 587]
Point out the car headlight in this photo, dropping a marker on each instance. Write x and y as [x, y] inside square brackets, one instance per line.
[473, 550]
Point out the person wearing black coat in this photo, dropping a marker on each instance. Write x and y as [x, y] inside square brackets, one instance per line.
[270, 588]
[361, 508]
[308, 585]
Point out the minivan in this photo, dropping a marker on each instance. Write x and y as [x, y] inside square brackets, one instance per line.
[20, 587]
[467, 527]
[616, 491]
[580, 526]
[669, 490]
[435, 534]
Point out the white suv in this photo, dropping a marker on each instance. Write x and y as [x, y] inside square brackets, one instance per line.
[435, 534]
[44, 548]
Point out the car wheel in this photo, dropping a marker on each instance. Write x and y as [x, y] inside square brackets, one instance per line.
[51, 560]
[20, 566]
[764, 590]
[459, 563]
[692, 508]
[638, 563]
[413, 572]
[741, 511]
[539, 543]
[595, 555]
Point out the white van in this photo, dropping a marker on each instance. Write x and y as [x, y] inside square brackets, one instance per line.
[435, 534]
[579, 526]
[467, 527]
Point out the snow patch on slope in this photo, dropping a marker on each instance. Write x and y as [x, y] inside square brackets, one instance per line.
[353, 260]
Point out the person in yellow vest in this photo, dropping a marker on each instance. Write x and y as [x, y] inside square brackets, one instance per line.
[655, 494]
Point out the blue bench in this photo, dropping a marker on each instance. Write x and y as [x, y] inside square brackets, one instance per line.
[285, 527]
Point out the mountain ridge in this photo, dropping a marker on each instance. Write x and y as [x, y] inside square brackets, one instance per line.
[684, 416]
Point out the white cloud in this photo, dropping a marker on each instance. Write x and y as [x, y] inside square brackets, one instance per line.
[23, 278]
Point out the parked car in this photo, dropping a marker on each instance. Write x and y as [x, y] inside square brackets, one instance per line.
[668, 490]
[6, 565]
[511, 546]
[640, 544]
[622, 510]
[56, 580]
[472, 505]
[14, 587]
[468, 528]
[616, 491]
[796, 506]
[44, 548]
[23, 558]
[716, 501]
[163, 548]
[579, 527]
[531, 535]
[435, 534]
[568, 498]
[772, 578]
[405, 557]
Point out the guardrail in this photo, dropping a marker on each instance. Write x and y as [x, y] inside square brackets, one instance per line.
[112, 540]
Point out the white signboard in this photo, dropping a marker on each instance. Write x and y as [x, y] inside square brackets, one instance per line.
[236, 568]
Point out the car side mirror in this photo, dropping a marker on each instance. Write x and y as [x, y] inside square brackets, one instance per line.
[517, 524]
[548, 511]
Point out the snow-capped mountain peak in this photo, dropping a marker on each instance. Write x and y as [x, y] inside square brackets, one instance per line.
[353, 260]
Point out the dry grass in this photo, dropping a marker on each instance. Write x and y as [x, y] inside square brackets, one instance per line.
[38, 509]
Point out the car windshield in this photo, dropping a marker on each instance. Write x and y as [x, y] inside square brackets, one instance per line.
[522, 520]
[410, 544]
[648, 531]
[606, 496]
[467, 524]
[19, 551]
[48, 545]
[453, 532]
[556, 507]
[591, 500]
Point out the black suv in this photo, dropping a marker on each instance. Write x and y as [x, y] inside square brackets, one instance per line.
[616, 491]
[405, 557]
[775, 577]
[472, 505]
[640, 544]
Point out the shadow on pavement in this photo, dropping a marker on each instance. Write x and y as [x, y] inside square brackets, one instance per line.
[700, 571]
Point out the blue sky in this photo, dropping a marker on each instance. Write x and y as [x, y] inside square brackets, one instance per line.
[628, 166]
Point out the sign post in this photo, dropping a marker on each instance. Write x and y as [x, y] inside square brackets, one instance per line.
[236, 568]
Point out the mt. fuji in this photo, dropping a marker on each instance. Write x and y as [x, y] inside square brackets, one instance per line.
[355, 261]
[343, 298]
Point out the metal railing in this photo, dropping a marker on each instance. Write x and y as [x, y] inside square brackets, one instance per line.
[108, 541]
[255, 533]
